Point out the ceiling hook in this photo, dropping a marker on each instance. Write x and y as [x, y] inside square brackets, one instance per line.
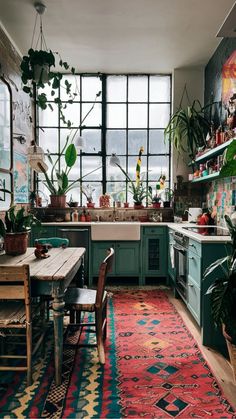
[40, 7]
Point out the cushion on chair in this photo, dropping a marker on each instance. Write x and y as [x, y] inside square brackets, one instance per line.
[81, 298]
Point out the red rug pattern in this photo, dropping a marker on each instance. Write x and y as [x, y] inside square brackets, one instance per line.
[154, 369]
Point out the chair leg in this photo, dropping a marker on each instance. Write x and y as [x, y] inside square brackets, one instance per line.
[99, 332]
[104, 321]
[29, 353]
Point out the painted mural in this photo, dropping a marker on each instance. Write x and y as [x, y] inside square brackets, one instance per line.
[21, 178]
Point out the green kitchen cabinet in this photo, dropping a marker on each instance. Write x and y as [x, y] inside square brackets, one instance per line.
[41, 232]
[154, 252]
[200, 256]
[126, 258]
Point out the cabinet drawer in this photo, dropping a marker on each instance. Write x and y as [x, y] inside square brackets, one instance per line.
[195, 247]
[194, 301]
[154, 230]
[194, 268]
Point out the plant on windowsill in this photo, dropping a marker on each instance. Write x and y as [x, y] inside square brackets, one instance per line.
[223, 294]
[137, 189]
[15, 228]
[88, 192]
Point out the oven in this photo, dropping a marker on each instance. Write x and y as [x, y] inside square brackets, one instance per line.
[180, 247]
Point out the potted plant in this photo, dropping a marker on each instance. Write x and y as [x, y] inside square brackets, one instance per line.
[36, 72]
[168, 194]
[88, 192]
[223, 293]
[156, 201]
[187, 128]
[14, 230]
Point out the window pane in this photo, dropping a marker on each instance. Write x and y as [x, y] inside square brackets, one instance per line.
[157, 145]
[158, 166]
[48, 139]
[116, 88]
[41, 175]
[159, 89]
[137, 139]
[48, 117]
[5, 134]
[75, 87]
[90, 163]
[132, 162]
[5, 183]
[116, 116]
[159, 116]
[116, 190]
[90, 87]
[71, 113]
[137, 116]
[114, 172]
[137, 88]
[64, 132]
[116, 142]
[92, 138]
[93, 118]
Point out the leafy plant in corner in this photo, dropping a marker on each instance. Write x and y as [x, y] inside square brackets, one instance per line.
[188, 127]
[223, 290]
[229, 161]
[138, 191]
[17, 221]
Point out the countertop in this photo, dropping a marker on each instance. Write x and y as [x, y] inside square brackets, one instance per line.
[173, 226]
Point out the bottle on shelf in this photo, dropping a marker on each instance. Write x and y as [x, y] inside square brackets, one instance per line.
[75, 216]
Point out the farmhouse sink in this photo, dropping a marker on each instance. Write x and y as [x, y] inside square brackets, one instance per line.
[115, 231]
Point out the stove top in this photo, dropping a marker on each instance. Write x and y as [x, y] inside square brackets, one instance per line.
[208, 230]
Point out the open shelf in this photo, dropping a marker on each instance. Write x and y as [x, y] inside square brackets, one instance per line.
[213, 152]
[210, 177]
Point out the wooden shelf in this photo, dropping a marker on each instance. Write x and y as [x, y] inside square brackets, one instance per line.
[206, 178]
[213, 152]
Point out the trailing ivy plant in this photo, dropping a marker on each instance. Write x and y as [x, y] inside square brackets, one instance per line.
[54, 80]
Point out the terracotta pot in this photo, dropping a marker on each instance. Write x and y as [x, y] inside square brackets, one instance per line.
[90, 204]
[58, 201]
[138, 206]
[156, 205]
[126, 204]
[16, 243]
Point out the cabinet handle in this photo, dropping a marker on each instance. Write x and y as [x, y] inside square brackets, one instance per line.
[191, 257]
[192, 245]
[191, 285]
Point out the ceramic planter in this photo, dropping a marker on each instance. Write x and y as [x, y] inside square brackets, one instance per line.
[156, 205]
[58, 201]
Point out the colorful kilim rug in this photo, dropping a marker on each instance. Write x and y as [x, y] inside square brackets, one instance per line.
[154, 369]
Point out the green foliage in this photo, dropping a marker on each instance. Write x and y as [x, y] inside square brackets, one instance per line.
[229, 162]
[223, 290]
[47, 58]
[138, 191]
[187, 128]
[17, 221]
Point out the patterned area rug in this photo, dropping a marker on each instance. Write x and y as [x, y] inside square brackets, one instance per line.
[154, 369]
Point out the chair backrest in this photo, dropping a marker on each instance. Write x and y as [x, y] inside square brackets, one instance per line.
[105, 267]
[53, 241]
[15, 285]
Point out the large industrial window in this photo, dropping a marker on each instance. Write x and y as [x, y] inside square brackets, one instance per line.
[131, 112]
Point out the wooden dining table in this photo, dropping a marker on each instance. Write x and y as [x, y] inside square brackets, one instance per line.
[50, 277]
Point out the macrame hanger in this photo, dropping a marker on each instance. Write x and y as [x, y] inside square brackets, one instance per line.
[185, 92]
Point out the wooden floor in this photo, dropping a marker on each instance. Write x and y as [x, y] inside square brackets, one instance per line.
[218, 364]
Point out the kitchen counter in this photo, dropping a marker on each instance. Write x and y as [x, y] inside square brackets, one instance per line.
[174, 226]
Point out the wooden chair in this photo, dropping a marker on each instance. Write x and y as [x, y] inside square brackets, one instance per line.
[93, 301]
[53, 241]
[16, 314]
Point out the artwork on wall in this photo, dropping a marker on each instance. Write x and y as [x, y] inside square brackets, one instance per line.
[21, 178]
[229, 89]
[2, 193]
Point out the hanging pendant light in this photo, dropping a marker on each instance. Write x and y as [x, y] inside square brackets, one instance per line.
[36, 158]
[114, 160]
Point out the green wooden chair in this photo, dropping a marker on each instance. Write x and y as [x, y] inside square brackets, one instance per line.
[53, 241]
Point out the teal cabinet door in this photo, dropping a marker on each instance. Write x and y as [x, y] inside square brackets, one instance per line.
[41, 232]
[154, 253]
[98, 254]
[127, 258]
